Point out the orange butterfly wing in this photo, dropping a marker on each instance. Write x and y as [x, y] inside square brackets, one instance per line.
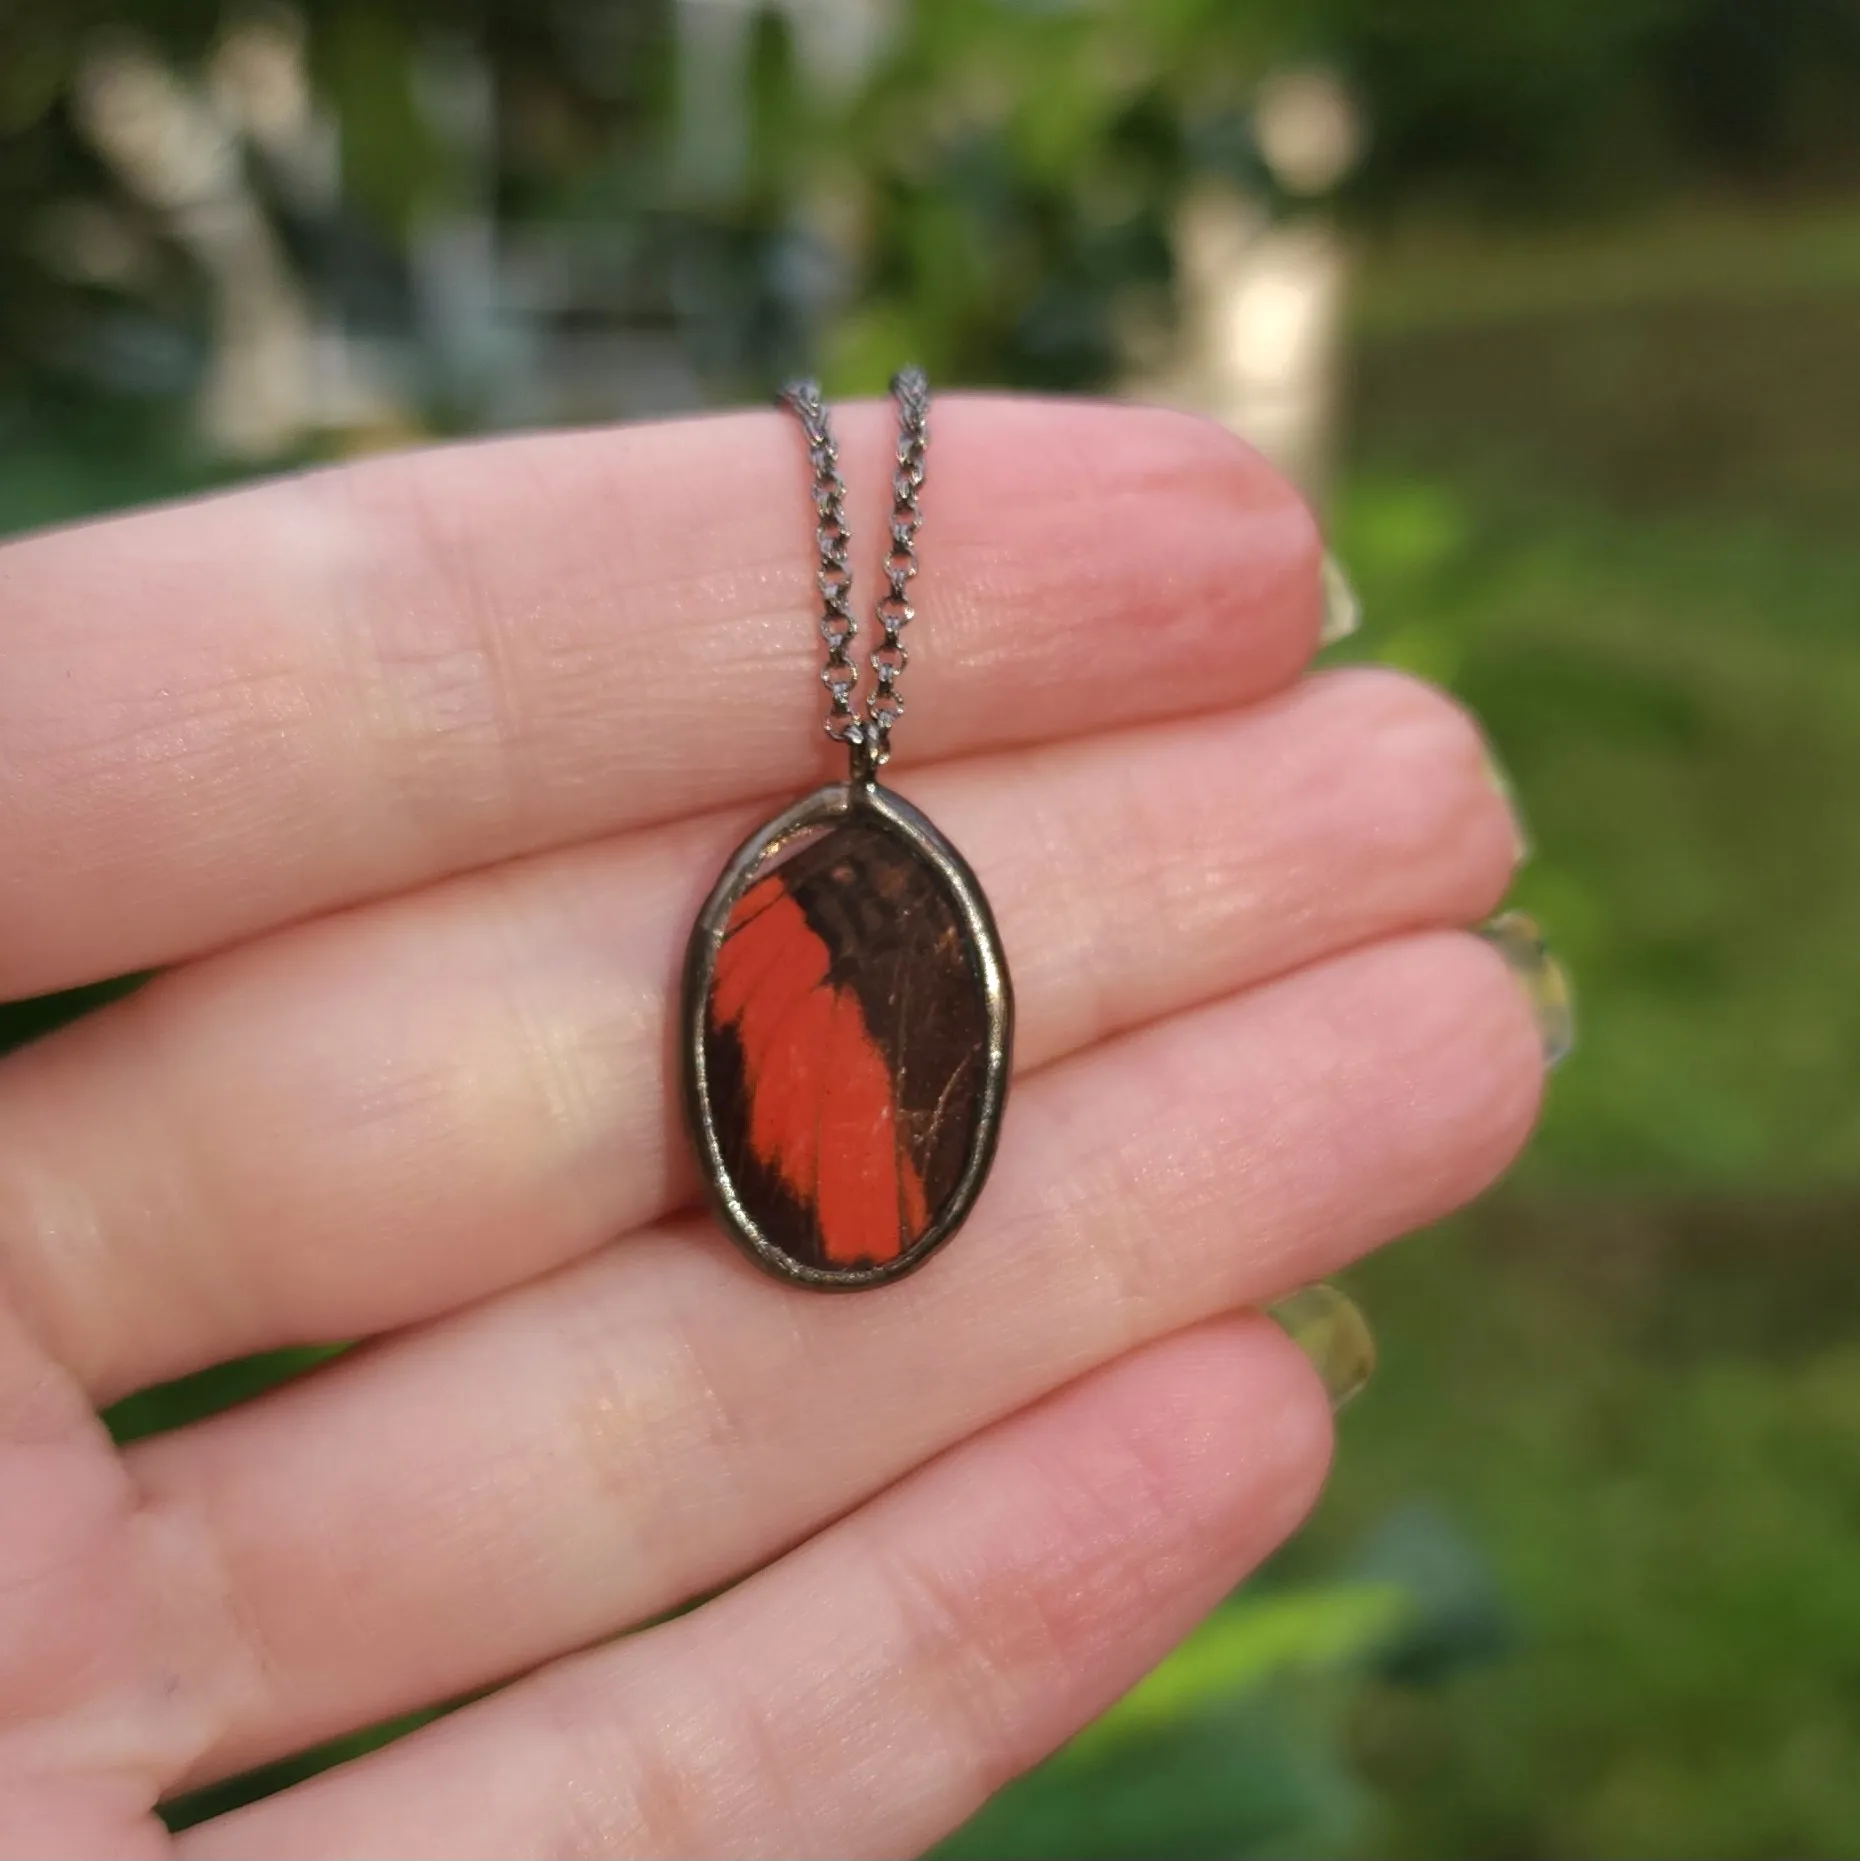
[845, 1036]
[818, 1093]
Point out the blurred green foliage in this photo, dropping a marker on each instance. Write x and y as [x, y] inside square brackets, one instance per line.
[1630, 1381]
[1631, 1377]
[1227, 1749]
[1626, 1390]
[996, 194]
[1636, 673]
[1584, 1583]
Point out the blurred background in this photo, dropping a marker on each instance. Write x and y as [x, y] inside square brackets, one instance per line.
[1555, 309]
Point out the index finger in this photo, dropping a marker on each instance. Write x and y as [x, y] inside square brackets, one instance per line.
[223, 716]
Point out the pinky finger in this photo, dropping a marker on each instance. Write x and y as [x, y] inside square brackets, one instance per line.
[868, 1693]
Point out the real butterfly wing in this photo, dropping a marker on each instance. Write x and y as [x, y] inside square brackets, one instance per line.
[844, 1037]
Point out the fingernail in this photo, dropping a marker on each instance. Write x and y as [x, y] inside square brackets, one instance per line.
[1343, 613]
[1329, 1327]
[1515, 936]
[1503, 787]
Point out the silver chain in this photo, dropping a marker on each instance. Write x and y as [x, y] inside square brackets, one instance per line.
[867, 735]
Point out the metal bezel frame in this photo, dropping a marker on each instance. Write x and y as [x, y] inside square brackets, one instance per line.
[822, 808]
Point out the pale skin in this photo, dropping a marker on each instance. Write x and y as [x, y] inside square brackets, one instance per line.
[410, 778]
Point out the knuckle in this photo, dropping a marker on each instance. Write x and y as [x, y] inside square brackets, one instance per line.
[655, 1414]
[628, 1786]
[1080, 1549]
[1099, 1206]
[973, 1655]
[428, 648]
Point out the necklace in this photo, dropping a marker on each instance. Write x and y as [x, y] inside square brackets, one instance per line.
[847, 1014]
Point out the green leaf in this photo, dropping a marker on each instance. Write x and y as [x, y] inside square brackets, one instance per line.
[1242, 1647]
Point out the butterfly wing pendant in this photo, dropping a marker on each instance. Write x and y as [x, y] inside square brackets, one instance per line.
[846, 1035]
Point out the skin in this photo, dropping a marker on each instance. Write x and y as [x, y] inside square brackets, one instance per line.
[410, 777]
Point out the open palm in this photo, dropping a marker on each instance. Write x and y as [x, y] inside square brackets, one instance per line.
[410, 777]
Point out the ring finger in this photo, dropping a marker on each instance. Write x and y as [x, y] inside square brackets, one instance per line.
[457, 1504]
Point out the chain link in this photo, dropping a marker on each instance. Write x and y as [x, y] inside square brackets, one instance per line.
[869, 735]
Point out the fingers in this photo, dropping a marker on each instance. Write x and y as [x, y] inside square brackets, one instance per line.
[456, 1505]
[361, 1122]
[870, 1691]
[220, 717]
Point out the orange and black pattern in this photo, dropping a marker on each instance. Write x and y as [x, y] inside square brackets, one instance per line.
[845, 1042]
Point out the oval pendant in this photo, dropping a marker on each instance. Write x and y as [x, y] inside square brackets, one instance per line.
[846, 1033]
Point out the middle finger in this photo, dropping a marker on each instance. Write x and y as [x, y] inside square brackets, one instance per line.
[384, 1115]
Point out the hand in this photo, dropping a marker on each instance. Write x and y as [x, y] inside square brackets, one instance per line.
[410, 778]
